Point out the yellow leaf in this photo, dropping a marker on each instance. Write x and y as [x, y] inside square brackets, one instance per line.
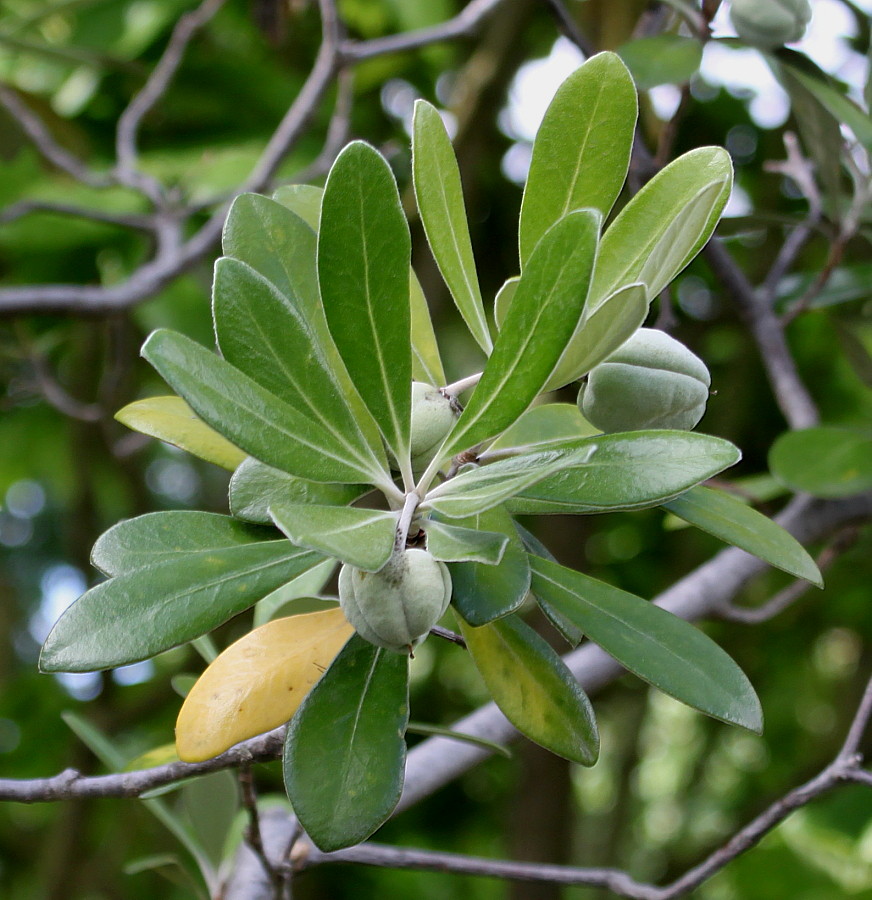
[171, 419]
[257, 683]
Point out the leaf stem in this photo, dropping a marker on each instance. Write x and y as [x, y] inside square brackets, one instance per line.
[458, 387]
[405, 521]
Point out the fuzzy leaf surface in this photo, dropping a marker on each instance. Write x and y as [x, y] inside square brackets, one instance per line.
[582, 149]
[439, 194]
[453, 543]
[363, 538]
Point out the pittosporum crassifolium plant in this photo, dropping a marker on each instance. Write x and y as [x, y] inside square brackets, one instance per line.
[329, 403]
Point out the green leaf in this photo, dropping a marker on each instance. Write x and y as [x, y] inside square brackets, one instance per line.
[673, 250]
[438, 731]
[255, 485]
[451, 543]
[141, 613]
[170, 419]
[249, 415]
[661, 59]
[364, 250]
[826, 461]
[160, 536]
[481, 592]
[426, 362]
[630, 239]
[262, 334]
[297, 596]
[548, 423]
[659, 647]
[440, 202]
[601, 332]
[279, 245]
[534, 689]
[838, 104]
[344, 753]
[363, 538]
[483, 487]
[503, 299]
[302, 199]
[731, 520]
[629, 471]
[582, 149]
[544, 312]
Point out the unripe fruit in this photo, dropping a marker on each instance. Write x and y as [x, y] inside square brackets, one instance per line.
[397, 606]
[651, 381]
[770, 23]
[433, 416]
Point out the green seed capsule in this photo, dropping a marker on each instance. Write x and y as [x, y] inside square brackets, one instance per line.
[433, 416]
[651, 381]
[770, 23]
[397, 606]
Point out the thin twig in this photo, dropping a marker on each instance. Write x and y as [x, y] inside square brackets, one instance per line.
[790, 393]
[787, 597]
[42, 139]
[567, 25]
[28, 207]
[252, 833]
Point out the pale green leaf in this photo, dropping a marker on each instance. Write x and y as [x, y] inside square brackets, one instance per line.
[297, 596]
[255, 485]
[661, 59]
[363, 538]
[302, 199]
[170, 419]
[439, 194]
[544, 312]
[426, 362]
[600, 332]
[630, 239]
[629, 471]
[582, 149]
[826, 461]
[453, 543]
[534, 689]
[503, 299]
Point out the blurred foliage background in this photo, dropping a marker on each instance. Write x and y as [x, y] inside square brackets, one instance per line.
[671, 784]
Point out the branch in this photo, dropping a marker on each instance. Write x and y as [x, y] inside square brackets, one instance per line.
[791, 394]
[155, 87]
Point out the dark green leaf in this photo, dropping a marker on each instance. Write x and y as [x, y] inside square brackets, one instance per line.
[659, 647]
[534, 689]
[250, 416]
[144, 612]
[264, 335]
[344, 753]
[160, 536]
[661, 59]
[731, 520]
[363, 270]
[826, 461]
[582, 149]
[482, 593]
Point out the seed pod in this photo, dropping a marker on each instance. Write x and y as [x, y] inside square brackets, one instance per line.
[651, 381]
[397, 606]
[433, 416]
[770, 23]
